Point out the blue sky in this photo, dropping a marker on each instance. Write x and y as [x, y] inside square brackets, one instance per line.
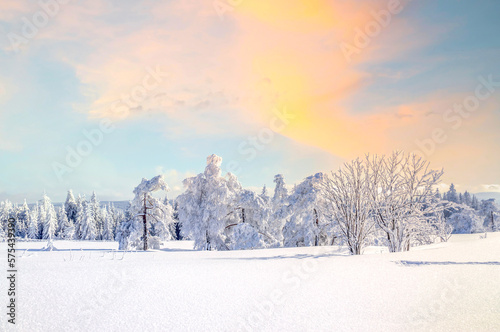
[227, 75]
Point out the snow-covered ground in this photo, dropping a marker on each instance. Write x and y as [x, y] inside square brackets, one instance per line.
[89, 286]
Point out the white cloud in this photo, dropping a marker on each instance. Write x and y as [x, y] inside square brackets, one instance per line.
[174, 179]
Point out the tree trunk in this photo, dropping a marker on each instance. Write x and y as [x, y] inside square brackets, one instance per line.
[145, 225]
[316, 239]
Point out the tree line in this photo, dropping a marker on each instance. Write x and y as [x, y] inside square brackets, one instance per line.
[390, 200]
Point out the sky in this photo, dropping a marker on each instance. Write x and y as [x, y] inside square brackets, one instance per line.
[97, 94]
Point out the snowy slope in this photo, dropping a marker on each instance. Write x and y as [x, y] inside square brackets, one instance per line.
[453, 286]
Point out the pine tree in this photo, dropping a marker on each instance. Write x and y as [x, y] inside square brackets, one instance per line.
[475, 203]
[71, 207]
[87, 224]
[6, 211]
[117, 216]
[308, 224]
[265, 196]
[207, 206]
[108, 225]
[98, 219]
[437, 194]
[147, 218]
[33, 223]
[66, 228]
[50, 218]
[80, 213]
[280, 210]
[42, 216]
[467, 199]
[451, 195]
[23, 220]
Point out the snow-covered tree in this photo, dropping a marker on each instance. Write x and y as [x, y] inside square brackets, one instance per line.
[452, 195]
[443, 229]
[490, 213]
[146, 214]
[98, 218]
[347, 195]
[308, 225]
[23, 220]
[6, 212]
[108, 225]
[66, 230]
[245, 236]
[280, 211]
[42, 216]
[402, 198]
[475, 203]
[49, 221]
[467, 199]
[253, 211]
[80, 214]
[117, 217]
[466, 221]
[71, 207]
[264, 195]
[207, 206]
[87, 222]
[33, 223]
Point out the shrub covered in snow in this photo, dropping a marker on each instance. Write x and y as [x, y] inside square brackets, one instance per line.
[245, 236]
[465, 222]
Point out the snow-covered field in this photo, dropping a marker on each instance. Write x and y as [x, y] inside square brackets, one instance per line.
[90, 286]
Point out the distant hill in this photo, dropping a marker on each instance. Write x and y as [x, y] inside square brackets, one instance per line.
[488, 195]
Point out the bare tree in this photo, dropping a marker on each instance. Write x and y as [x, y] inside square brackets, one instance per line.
[347, 195]
[401, 190]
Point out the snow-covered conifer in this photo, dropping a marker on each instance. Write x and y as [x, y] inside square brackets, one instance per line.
[66, 230]
[467, 199]
[23, 220]
[308, 224]
[452, 195]
[108, 225]
[6, 211]
[80, 213]
[33, 223]
[146, 213]
[87, 223]
[475, 203]
[49, 222]
[279, 209]
[98, 219]
[71, 206]
[207, 206]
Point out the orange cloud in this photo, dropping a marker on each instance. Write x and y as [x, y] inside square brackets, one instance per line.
[229, 75]
[295, 49]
